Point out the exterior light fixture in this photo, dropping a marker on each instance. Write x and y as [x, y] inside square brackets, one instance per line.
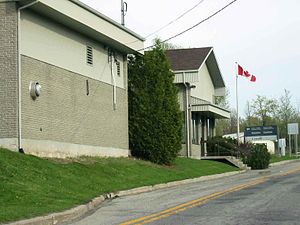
[35, 89]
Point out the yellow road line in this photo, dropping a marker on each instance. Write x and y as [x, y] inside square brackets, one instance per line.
[192, 205]
[194, 202]
[199, 201]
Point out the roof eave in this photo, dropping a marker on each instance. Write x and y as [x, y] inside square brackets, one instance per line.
[79, 26]
[214, 70]
[186, 71]
[95, 12]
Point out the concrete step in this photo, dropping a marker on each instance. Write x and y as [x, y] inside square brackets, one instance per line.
[233, 160]
[237, 162]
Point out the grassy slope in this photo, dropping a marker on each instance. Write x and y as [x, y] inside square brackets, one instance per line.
[30, 186]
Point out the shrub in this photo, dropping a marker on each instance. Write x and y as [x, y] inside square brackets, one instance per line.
[254, 155]
[258, 157]
[244, 150]
[221, 146]
[155, 119]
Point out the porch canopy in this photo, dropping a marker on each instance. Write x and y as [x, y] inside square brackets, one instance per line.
[208, 109]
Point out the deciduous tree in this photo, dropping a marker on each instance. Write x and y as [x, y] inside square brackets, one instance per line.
[285, 112]
[264, 108]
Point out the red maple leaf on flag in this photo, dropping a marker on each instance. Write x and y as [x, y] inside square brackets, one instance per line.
[246, 73]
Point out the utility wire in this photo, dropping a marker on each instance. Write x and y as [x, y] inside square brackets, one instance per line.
[173, 21]
[192, 27]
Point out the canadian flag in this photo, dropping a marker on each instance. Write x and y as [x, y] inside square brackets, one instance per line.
[245, 73]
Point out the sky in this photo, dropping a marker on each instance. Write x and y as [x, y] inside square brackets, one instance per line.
[263, 36]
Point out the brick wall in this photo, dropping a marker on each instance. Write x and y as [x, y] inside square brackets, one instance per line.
[65, 113]
[8, 70]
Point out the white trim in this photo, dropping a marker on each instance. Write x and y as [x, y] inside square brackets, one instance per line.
[219, 70]
[185, 71]
[204, 61]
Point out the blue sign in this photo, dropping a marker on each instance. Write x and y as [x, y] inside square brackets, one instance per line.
[261, 131]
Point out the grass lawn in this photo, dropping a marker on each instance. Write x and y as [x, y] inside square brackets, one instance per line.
[31, 186]
[275, 158]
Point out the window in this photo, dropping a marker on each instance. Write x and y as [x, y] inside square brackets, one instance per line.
[89, 55]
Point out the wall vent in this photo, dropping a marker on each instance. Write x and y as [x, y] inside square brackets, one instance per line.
[118, 68]
[89, 55]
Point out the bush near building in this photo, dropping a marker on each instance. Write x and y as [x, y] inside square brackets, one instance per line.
[259, 157]
[220, 146]
[254, 155]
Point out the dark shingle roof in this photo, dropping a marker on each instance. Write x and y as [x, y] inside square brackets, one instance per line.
[187, 59]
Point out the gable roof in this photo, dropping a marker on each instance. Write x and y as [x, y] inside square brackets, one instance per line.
[187, 59]
[193, 59]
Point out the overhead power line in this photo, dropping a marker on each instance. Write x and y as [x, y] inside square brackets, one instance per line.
[192, 27]
[173, 21]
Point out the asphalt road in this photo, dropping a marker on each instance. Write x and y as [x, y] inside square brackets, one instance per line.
[257, 197]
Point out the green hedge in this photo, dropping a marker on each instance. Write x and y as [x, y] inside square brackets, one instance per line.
[254, 155]
[258, 157]
[218, 146]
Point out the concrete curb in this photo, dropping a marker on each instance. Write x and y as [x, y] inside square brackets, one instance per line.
[284, 162]
[81, 210]
[56, 218]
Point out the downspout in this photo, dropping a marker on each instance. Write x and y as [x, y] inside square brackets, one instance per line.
[19, 77]
[114, 82]
[187, 131]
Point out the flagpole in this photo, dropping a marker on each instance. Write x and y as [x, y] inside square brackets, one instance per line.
[237, 106]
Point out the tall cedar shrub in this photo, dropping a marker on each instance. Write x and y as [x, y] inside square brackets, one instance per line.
[155, 120]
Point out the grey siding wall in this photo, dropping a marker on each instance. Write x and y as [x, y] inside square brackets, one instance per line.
[65, 113]
[8, 70]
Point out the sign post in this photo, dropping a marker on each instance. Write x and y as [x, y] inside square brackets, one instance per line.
[297, 145]
[293, 129]
[281, 146]
[290, 145]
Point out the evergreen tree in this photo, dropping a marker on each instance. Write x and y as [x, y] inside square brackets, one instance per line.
[155, 120]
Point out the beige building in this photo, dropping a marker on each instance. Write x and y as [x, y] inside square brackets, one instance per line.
[199, 79]
[63, 84]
